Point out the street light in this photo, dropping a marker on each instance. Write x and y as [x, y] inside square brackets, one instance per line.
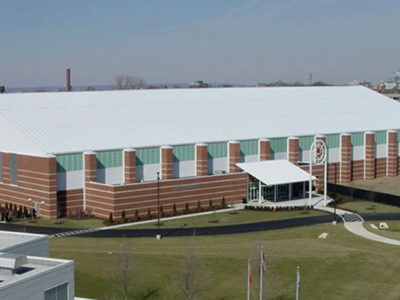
[158, 206]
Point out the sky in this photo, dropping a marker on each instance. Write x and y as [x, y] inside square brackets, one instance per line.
[175, 41]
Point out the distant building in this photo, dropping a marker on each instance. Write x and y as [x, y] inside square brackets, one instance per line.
[390, 87]
[199, 84]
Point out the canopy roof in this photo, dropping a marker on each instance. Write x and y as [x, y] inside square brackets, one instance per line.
[61, 122]
[273, 172]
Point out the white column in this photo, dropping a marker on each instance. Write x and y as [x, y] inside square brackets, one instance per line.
[259, 192]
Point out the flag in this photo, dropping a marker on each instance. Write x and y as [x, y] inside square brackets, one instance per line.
[250, 274]
[263, 264]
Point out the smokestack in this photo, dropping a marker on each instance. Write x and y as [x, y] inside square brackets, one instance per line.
[68, 79]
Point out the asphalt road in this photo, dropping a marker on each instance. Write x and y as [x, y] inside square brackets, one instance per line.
[228, 229]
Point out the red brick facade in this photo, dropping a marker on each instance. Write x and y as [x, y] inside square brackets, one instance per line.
[129, 165]
[37, 179]
[233, 156]
[293, 150]
[264, 146]
[369, 160]
[102, 199]
[201, 160]
[166, 162]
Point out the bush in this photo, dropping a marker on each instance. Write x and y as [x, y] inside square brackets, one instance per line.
[149, 216]
[187, 208]
[174, 211]
[137, 217]
[210, 205]
[123, 216]
[26, 214]
[223, 203]
[161, 211]
[20, 212]
[110, 218]
[198, 208]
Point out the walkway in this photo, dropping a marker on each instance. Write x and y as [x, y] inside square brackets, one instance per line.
[354, 223]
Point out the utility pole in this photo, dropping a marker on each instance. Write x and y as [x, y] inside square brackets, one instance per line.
[158, 203]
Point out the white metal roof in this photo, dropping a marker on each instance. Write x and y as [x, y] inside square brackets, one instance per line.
[40, 123]
[272, 172]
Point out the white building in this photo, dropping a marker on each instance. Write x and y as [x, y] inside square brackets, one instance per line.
[27, 277]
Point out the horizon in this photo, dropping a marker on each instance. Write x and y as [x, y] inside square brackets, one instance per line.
[235, 42]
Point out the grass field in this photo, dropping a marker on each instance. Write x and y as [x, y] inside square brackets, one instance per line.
[388, 185]
[393, 231]
[369, 207]
[63, 222]
[229, 218]
[343, 266]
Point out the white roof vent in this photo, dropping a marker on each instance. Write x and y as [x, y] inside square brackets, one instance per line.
[10, 263]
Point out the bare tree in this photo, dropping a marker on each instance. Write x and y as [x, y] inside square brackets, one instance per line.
[192, 278]
[123, 275]
[126, 82]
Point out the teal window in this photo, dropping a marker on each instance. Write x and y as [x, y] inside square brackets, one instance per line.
[380, 137]
[249, 147]
[109, 159]
[217, 150]
[305, 142]
[278, 145]
[333, 141]
[183, 152]
[357, 139]
[146, 156]
[69, 162]
[58, 293]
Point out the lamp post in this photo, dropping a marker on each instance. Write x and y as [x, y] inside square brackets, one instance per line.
[36, 205]
[158, 206]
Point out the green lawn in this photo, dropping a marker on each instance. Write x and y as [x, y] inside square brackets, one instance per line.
[229, 218]
[369, 207]
[63, 222]
[343, 266]
[393, 231]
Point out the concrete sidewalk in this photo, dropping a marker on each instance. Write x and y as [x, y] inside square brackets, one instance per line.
[354, 223]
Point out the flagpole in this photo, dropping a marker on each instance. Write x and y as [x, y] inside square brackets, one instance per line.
[298, 283]
[248, 280]
[261, 272]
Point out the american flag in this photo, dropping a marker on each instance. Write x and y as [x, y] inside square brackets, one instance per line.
[263, 264]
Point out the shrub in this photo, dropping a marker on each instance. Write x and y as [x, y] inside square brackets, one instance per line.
[6, 205]
[149, 213]
[137, 215]
[174, 211]
[161, 211]
[186, 208]
[110, 218]
[123, 216]
[26, 212]
[223, 202]
[210, 205]
[198, 208]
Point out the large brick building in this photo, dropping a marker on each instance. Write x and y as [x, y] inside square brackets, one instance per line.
[101, 151]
